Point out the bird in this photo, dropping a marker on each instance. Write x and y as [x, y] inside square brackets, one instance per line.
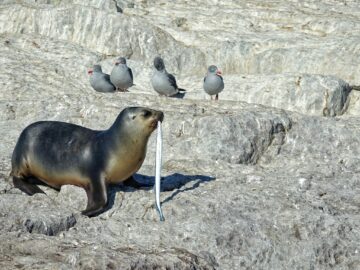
[100, 81]
[213, 82]
[121, 75]
[163, 82]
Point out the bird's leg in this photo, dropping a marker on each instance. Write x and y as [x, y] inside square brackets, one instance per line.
[217, 97]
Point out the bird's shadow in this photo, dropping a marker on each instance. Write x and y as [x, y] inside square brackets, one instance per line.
[168, 183]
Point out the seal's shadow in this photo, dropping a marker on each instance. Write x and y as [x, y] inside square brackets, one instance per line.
[168, 183]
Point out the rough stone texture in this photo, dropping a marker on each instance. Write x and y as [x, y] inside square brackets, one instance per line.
[265, 178]
[309, 94]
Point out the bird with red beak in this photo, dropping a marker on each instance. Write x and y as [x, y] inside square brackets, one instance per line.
[100, 81]
[213, 82]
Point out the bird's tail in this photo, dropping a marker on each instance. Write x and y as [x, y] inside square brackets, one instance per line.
[181, 90]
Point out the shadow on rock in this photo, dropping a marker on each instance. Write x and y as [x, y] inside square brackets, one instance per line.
[175, 181]
[168, 183]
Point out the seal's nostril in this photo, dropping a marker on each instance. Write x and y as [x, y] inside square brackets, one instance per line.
[161, 116]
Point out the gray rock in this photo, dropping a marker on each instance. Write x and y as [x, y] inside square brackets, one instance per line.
[305, 93]
[36, 214]
[259, 180]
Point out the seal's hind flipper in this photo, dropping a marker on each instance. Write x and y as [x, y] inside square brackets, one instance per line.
[35, 181]
[28, 188]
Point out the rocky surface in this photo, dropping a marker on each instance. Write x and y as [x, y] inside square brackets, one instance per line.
[265, 178]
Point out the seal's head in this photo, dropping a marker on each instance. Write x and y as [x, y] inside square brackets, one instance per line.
[159, 63]
[139, 120]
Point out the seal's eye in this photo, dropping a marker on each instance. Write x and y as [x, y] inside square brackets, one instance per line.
[146, 114]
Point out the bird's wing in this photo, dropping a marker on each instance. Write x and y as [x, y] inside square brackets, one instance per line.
[131, 75]
[172, 81]
[107, 77]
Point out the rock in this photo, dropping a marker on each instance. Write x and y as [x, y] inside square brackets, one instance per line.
[304, 93]
[265, 178]
[83, 25]
[263, 38]
[243, 137]
[36, 214]
[354, 104]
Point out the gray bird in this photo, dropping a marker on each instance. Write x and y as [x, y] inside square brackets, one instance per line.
[213, 82]
[121, 76]
[100, 81]
[163, 82]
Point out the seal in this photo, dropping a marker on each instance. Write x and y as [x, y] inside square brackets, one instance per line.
[58, 153]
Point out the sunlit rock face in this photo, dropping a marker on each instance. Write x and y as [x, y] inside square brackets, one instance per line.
[264, 178]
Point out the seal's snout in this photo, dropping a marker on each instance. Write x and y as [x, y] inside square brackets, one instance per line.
[160, 116]
[156, 117]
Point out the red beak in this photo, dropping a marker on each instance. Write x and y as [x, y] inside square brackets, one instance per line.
[90, 71]
[218, 72]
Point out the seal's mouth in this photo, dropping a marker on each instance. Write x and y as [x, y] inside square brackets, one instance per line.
[153, 124]
[158, 117]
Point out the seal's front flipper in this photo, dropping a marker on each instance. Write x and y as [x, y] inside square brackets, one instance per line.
[92, 212]
[23, 185]
[97, 198]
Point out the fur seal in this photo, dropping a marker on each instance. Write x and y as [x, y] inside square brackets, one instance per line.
[58, 153]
